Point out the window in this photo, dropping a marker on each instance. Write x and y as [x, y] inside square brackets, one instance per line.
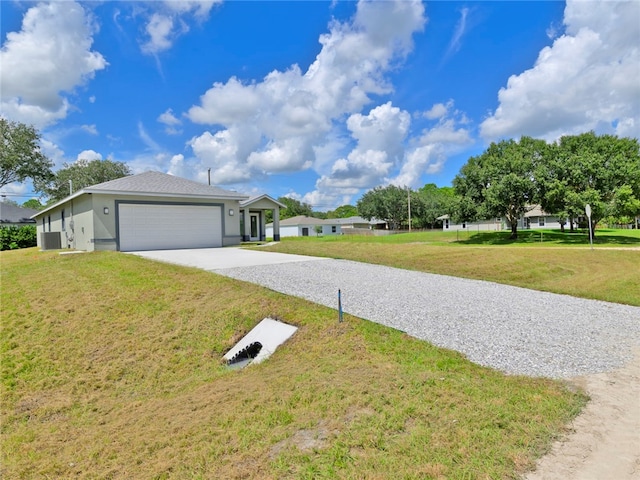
[334, 229]
[464, 224]
[541, 221]
[62, 218]
[44, 228]
[49, 221]
[446, 223]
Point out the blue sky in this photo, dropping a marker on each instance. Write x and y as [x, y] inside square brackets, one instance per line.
[319, 101]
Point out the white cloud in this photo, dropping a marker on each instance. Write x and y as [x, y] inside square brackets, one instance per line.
[147, 140]
[89, 155]
[448, 136]
[49, 57]
[90, 129]
[159, 29]
[380, 137]
[587, 80]
[171, 122]
[460, 30]
[169, 22]
[168, 118]
[291, 115]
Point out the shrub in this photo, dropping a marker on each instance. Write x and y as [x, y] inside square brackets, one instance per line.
[12, 237]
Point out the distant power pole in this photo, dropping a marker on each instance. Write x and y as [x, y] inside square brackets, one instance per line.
[409, 206]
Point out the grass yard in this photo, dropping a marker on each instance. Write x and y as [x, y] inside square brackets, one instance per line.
[610, 272]
[111, 368]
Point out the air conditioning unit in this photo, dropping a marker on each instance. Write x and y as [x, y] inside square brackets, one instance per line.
[50, 241]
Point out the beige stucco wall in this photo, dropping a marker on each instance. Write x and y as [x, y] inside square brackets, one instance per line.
[95, 230]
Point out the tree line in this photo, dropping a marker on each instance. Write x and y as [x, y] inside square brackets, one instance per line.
[510, 177]
[506, 180]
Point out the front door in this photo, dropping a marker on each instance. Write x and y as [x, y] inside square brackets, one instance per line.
[255, 233]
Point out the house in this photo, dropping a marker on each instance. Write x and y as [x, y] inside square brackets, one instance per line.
[302, 226]
[17, 216]
[535, 217]
[491, 225]
[153, 211]
[360, 223]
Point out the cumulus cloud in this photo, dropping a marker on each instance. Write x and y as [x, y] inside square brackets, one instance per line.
[448, 135]
[89, 155]
[169, 22]
[282, 122]
[587, 80]
[379, 137]
[171, 122]
[46, 60]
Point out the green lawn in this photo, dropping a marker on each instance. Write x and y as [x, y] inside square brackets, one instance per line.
[111, 368]
[562, 263]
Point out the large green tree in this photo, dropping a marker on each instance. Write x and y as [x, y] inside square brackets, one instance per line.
[600, 170]
[500, 182]
[81, 174]
[294, 208]
[20, 155]
[388, 203]
[343, 211]
[432, 202]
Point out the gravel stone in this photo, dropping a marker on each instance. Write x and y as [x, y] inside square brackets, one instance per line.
[512, 329]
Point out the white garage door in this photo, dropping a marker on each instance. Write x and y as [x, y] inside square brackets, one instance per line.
[165, 227]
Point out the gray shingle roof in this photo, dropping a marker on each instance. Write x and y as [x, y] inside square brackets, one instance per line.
[14, 214]
[162, 183]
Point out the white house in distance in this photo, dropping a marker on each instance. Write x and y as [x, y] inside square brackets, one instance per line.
[302, 226]
[534, 218]
[154, 211]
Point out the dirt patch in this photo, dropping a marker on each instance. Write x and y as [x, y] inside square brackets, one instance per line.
[605, 438]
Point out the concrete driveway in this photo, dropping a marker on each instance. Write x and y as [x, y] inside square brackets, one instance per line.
[222, 258]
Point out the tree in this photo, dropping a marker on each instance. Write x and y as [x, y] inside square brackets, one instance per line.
[602, 171]
[432, 202]
[625, 204]
[33, 203]
[294, 208]
[386, 203]
[343, 211]
[20, 155]
[81, 174]
[500, 182]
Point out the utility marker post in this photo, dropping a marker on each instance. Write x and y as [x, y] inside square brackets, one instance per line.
[339, 306]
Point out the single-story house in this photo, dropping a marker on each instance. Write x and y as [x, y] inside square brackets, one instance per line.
[359, 223]
[535, 217]
[153, 211]
[303, 226]
[17, 216]
[490, 225]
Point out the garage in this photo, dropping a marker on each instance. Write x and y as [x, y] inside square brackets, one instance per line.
[148, 226]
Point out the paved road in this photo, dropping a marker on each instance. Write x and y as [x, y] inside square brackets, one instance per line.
[513, 329]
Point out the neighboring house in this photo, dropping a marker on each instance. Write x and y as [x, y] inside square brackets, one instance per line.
[537, 218]
[14, 215]
[534, 218]
[152, 211]
[302, 226]
[360, 223]
[491, 225]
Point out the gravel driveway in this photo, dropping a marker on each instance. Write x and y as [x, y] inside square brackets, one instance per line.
[513, 329]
